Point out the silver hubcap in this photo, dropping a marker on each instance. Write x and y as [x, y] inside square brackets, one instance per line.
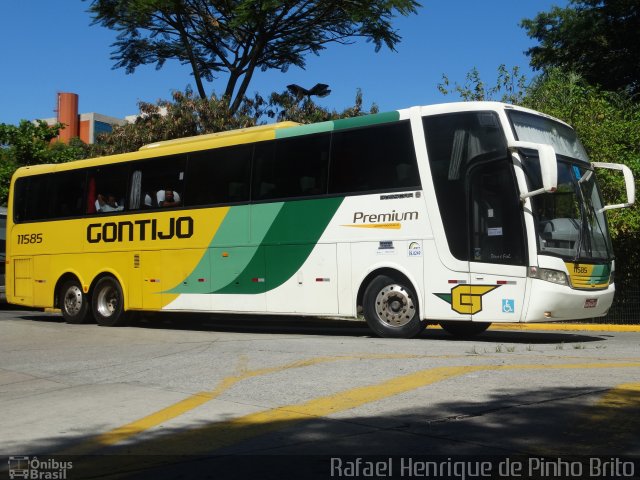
[394, 306]
[107, 301]
[73, 300]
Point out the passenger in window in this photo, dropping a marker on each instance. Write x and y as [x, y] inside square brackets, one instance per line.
[168, 198]
[107, 203]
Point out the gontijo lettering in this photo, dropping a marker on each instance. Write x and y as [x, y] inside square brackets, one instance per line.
[148, 229]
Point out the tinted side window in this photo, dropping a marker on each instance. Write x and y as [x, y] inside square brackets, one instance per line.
[373, 158]
[152, 181]
[219, 176]
[57, 195]
[107, 189]
[292, 167]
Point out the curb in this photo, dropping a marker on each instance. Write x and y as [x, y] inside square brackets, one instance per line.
[593, 327]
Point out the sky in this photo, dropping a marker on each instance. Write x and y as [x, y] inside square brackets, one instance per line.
[51, 46]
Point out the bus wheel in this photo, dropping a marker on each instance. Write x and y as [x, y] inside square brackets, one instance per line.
[108, 305]
[391, 308]
[73, 302]
[464, 329]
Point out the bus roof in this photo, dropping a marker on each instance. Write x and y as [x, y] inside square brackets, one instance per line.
[219, 135]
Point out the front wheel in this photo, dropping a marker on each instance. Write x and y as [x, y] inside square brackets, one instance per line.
[108, 303]
[464, 329]
[391, 308]
[74, 303]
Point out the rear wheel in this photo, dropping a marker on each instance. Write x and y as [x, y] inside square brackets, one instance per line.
[108, 303]
[391, 308]
[464, 329]
[73, 302]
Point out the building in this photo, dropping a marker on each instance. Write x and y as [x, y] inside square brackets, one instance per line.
[85, 126]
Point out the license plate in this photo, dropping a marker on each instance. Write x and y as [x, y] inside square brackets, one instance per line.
[591, 303]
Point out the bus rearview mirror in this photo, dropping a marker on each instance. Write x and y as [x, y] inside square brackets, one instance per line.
[548, 166]
[628, 181]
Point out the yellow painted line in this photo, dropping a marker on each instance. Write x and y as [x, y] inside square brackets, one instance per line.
[222, 434]
[136, 427]
[593, 327]
[233, 431]
[623, 396]
[607, 426]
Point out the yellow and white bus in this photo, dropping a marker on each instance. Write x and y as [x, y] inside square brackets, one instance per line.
[460, 214]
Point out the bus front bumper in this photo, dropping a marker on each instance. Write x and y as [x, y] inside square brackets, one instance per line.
[549, 302]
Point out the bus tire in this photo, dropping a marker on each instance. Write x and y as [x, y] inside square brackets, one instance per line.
[74, 303]
[391, 308]
[108, 303]
[464, 329]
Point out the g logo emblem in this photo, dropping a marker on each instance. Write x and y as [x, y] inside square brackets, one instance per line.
[466, 299]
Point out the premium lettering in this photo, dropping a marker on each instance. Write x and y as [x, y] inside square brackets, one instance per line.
[393, 216]
[128, 231]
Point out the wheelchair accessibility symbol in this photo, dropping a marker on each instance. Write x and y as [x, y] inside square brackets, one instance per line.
[508, 305]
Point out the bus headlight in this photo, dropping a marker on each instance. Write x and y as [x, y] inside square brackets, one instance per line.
[548, 275]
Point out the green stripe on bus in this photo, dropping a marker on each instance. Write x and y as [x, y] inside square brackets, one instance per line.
[278, 258]
[237, 258]
[342, 124]
[366, 120]
[232, 248]
[305, 130]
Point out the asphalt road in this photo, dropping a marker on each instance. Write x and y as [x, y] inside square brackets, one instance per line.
[171, 394]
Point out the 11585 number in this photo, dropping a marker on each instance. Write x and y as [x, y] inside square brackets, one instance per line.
[27, 238]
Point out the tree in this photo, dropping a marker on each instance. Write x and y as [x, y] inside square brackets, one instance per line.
[599, 39]
[188, 115]
[29, 143]
[237, 37]
[510, 84]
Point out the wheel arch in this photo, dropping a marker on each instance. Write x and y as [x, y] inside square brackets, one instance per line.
[72, 275]
[391, 272]
[118, 278]
[66, 276]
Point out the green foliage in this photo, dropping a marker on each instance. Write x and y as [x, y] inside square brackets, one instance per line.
[185, 116]
[607, 123]
[285, 106]
[236, 38]
[600, 39]
[29, 143]
[509, 87]
[188, 115]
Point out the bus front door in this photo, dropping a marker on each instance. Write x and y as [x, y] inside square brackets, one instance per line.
[497, 252]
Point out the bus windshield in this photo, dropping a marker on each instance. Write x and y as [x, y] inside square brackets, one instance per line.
[569, 223]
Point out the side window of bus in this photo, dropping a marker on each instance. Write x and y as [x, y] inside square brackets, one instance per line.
[157, 183]
[291, 167]
[107, 189]
[58, 195]
[218, 176]
[373, 158]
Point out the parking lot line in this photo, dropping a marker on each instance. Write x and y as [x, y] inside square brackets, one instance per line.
[221, 434]
[159, 417]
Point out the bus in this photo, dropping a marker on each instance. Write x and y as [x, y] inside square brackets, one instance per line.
[457, 214]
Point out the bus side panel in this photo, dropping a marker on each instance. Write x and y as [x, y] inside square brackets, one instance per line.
[313, 288]
[404, 256]
[152, 272]
[444, 288]
[42, 286]
[22, 281]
